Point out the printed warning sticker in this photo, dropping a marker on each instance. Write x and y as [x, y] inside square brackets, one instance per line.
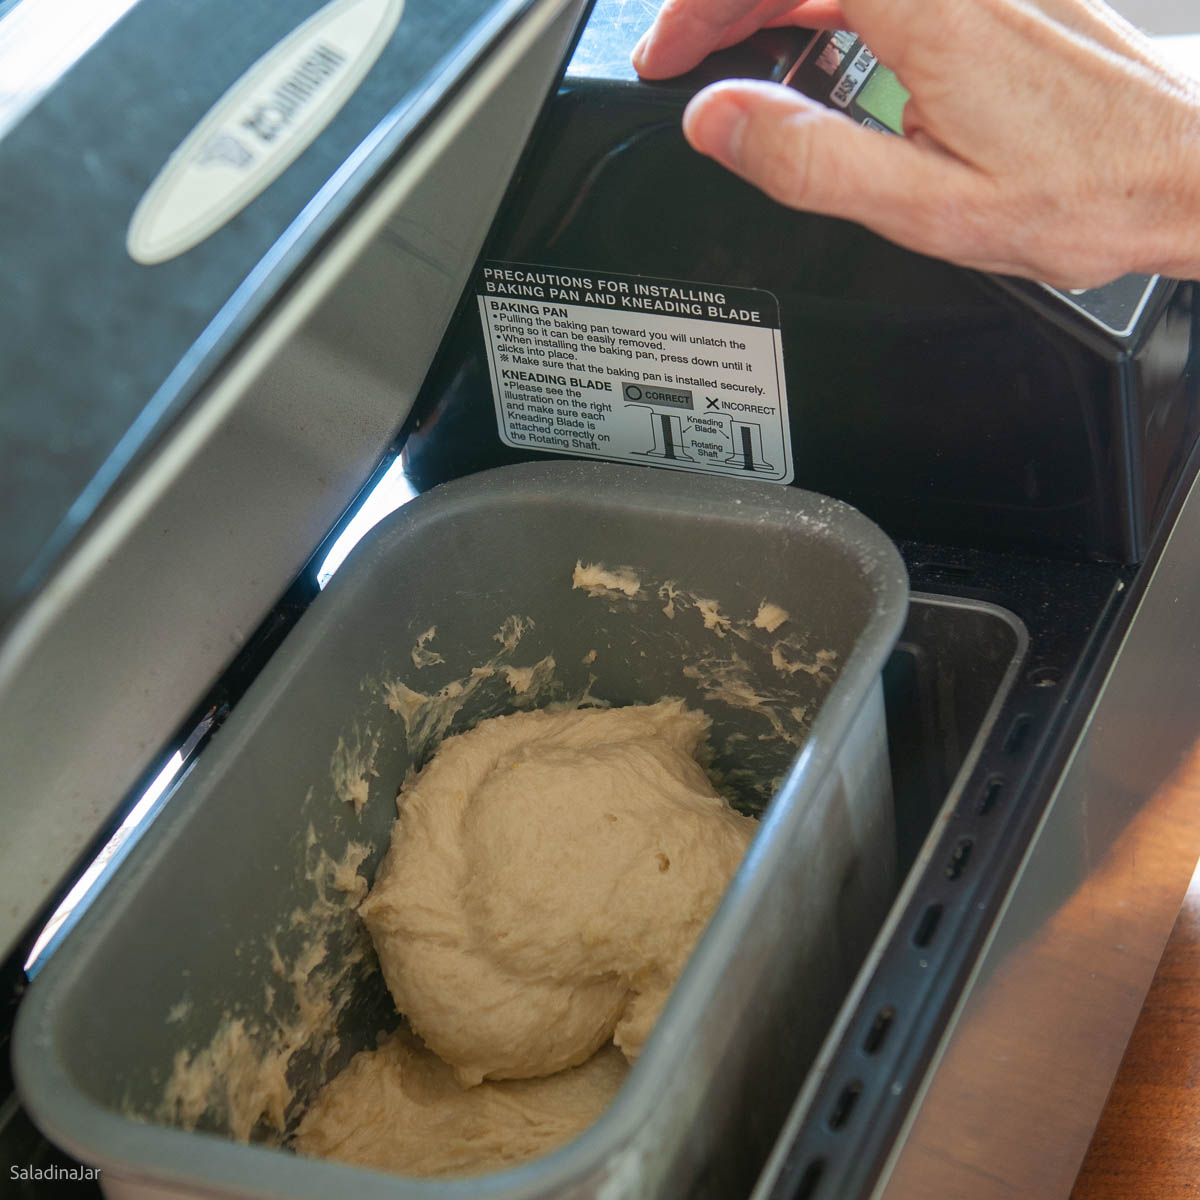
[682, 375]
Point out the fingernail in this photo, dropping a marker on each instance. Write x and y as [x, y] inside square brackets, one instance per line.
[715, 125]
[639, 51]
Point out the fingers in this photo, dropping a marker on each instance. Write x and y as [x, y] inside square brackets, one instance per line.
[808, 157]
[810, 14]
[686, 31]
[813, 14]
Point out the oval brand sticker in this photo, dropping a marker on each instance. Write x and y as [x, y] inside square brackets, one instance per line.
[260, 126]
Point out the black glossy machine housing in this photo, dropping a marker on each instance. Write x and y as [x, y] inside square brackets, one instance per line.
[947, 404]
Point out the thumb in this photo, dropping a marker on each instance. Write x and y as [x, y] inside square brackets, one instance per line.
[809, 157]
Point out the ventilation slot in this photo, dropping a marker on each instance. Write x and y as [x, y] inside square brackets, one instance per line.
[927, 926]
[991, 793]
[878, 1032]
[845, 1105]
[1018, 735]
[809, 1180]
[958, 860]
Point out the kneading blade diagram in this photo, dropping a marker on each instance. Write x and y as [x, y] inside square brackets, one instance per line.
[716, 440]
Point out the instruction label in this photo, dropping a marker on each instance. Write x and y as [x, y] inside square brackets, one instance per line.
[687, 376]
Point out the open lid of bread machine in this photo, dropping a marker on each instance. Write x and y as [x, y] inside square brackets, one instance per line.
[198, 202]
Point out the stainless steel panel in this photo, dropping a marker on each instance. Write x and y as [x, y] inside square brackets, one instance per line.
[1010, 1102]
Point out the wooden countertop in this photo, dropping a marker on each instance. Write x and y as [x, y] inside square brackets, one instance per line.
[1147, 1144]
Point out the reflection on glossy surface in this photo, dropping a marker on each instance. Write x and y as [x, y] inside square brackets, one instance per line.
[1146, 1142]
[40, 39]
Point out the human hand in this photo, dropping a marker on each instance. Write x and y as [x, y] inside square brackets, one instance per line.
[1044, 140]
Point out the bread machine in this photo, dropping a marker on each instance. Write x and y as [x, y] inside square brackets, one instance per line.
[249, 277]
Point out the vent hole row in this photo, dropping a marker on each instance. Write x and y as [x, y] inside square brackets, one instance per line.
[846, 1102]
[923, 937]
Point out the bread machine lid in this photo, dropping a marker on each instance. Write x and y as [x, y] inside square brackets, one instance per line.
[99, 309]
[170, 178]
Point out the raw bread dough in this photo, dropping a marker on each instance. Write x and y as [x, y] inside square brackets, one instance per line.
[399, 1109]
[548, 876]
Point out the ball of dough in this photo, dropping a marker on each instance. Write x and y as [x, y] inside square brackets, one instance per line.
[548, 876]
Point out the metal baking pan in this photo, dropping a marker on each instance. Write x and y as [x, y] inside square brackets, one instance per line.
[227, 911]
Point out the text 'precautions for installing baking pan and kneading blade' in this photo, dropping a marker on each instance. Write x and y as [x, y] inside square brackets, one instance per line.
[687, 376]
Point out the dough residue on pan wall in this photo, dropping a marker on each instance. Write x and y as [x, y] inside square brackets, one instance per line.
[526, 679]
[598, 580]
[512, 629]
[429, 716]
[713, 618]
[729, 681]
[756, 660]
[667, 593]
[352, 769]
[232, 1076]
[821, 665]
[240, 1080]
[770, 616]
[421, 655]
